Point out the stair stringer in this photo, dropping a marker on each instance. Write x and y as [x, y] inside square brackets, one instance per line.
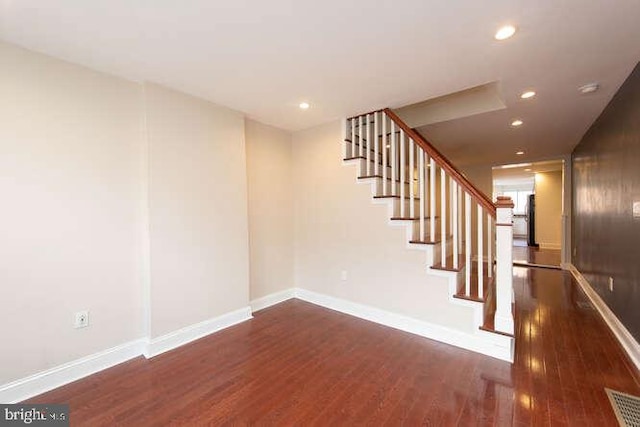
[495, 345]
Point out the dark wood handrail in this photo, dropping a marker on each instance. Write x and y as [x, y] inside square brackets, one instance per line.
[444, 163]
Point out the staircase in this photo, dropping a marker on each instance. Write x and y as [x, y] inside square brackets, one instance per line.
[467, 237]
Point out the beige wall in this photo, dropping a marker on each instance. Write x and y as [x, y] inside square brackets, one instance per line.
[198, 210]
[337, 228]
[270, 189]
[69, 178]
[548, 189]
[480, 176]
[131, 201]
[123, 199]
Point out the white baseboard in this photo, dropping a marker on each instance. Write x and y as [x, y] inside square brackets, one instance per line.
[485, 343]
[272, 299]
[44, 381]
[625, 338]
[58, 376]
[193, 332]
[494, 345]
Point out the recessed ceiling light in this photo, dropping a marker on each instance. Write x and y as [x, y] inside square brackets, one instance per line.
[513, 166]
[528, 94]
[304, 105]
[589, 88]
[517, 123]
[527, 170]
[505, 32]
[519, 153]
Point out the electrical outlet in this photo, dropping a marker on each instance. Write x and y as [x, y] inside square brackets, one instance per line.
[343, 275]
[81, 319]
[610, 284]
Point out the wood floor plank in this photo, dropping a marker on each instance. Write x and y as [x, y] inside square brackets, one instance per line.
[299, 364]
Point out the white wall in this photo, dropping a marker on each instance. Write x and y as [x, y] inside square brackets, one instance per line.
[198, 210]
[337, 228]
[69, 181]
[124, 199]
[270, 189]
[548, 189]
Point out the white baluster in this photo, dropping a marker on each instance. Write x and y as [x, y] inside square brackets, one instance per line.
[403, 174]
[489, 246]
[345, 135]
[454, 223]
[376, 154]
[443, 217]
[353, 137]
[385, 152]
[480, 253]
[467, 243]
[421, 171]
[412, 191]
[360, 137]
[394, 163]
[432, 199]
[369, 141]
[460, 222]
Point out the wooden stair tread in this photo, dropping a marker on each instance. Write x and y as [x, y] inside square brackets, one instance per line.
[488, 284]
[425, 242]
[411, 218]
[437, 239]
[448, 265]
[380, 176]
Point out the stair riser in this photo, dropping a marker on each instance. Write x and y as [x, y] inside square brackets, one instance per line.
[397, 211]
[416, 229]
[362, 168]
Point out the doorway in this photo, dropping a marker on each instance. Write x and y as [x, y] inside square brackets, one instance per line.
[537, 193]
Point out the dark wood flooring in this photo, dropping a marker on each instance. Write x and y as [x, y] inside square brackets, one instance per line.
[299, 364]
[529, 255]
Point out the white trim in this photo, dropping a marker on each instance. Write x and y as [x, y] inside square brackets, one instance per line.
[58, 376]
[44, 381]
[625, 338]
[494, 345]
[483, 342]
[272, 299]
[193, 332]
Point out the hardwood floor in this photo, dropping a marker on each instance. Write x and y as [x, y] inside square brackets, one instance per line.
[299, 364]
[523, 255]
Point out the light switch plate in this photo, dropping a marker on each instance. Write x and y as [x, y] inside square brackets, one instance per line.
[636, 209]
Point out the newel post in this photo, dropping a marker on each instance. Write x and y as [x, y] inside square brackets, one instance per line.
[504, 265]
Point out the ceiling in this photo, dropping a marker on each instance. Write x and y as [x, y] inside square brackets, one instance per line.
[521, 173]
[346, 57]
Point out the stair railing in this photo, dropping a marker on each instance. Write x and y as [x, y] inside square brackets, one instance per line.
[413, 170]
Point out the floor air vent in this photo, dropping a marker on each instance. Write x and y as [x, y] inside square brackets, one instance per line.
[626, 408]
